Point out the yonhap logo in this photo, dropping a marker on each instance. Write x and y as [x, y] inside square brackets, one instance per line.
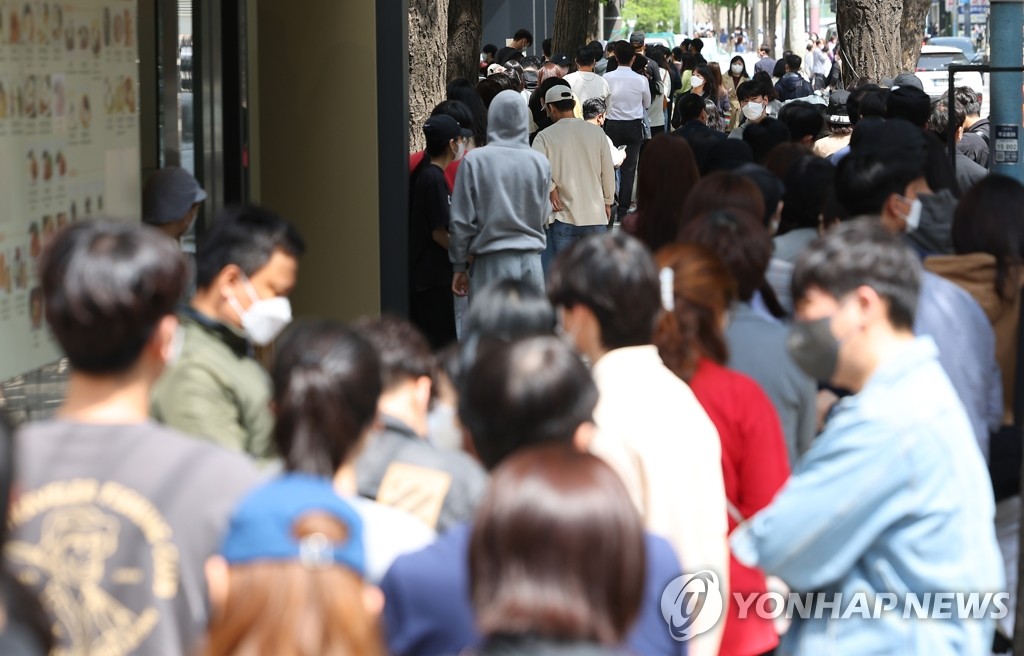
[692, 604]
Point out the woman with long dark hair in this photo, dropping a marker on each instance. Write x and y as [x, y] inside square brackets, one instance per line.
[667, 172]
[464, 91]
[557, 559]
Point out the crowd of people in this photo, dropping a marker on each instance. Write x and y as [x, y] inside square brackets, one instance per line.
[790, 363]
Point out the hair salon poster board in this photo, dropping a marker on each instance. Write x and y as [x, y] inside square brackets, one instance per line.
[69, 146]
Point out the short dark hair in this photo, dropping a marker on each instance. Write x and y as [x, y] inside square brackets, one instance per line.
[808, 184]
[624, 53]
[740, 240]
[938, 122]
[557, 550]
[748, 89]
[688, 61]
[780, 67]
[677, 53]
[697, 44]
[489, 49]
[403, 350]
[327, 380]
[563, 105]
[520, 394]
[509, 309]
[794, 62]
[764, 136]
[884, 158]
[245, 236]
[106, 287]
[585, 56]
[969, 98]
[803, 120]
[908, 103]
[545, 47]
[690, 107]
[983, 223]
[862, 253]
[523, 34]
[613, 276]
[858, 95]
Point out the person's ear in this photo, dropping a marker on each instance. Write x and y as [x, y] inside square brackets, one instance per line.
[421, 389]
[164, 338]
[893, 213]
[807, 140]
[584, 436]
[373, 601]
[217, 583]
[227, 279]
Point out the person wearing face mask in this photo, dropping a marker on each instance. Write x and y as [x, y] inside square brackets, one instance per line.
[247, 265]
[894, 496]
[736, 76]
[753, 103]
[431, 304]
[883, 179]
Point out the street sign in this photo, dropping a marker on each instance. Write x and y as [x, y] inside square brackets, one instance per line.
[1007, 144]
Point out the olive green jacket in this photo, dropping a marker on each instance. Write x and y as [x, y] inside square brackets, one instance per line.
[215, 390]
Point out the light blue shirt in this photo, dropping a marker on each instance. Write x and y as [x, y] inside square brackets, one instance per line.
[967, 351]
[892, 497]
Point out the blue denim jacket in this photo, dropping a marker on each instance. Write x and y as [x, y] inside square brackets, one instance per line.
[894, 496]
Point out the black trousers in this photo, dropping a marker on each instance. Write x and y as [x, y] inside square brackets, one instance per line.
[629, 134]
[433, 312]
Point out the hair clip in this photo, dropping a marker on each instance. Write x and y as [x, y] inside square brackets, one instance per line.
[668, 282]
[315, 552]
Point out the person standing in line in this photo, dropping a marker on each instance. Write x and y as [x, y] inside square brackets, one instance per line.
[431, 303]
[247, 265]
[500, 204]
[894, 496]
[585, 83]
[116, 515]
[582, 175]
[629, 100]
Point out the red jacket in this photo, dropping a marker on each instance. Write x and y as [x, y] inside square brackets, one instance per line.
[449, 173]
[754, 467]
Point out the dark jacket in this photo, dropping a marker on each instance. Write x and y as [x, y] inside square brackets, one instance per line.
[791, 86]
[982, 129]
[696, 128]
[973, 146]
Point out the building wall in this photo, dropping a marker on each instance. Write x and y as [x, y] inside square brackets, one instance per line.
[315, 141]
[502, 18]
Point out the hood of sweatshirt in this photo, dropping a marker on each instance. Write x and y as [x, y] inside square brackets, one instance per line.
[508, 121]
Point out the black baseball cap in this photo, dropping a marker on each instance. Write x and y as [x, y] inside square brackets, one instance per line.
[443, 128]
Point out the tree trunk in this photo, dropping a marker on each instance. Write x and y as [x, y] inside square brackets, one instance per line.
[571, 20]
[771, 23]
[797, 28]
[912, 32]
[594, 29]
[465, 25]
[869, 36]
[428, 62]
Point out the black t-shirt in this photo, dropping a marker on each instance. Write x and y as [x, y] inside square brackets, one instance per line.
[429, 202]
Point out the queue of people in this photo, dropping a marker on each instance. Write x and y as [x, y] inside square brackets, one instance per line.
[781, 369]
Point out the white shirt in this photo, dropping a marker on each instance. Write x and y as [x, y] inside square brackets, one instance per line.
[652, 430]
[587, 85]
[630, 95]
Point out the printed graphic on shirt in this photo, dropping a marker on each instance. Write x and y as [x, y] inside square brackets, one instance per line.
[70, 531]
[416, 490]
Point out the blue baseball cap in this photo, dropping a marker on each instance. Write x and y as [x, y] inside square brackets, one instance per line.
[262, 525]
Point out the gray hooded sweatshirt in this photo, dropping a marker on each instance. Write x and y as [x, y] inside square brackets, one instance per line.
[500, 202]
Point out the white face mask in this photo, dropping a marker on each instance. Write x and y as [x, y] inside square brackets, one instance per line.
[265, 318]
[913, 217]
[696, 81]
[753, 111]
[460, 151]
[736, 69]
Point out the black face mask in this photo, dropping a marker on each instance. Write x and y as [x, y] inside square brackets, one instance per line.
[814, 348]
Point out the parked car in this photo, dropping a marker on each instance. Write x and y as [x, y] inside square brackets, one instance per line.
[961, 43]
[932, 71]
